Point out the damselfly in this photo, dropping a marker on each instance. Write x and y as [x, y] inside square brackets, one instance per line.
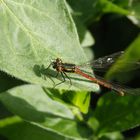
[100, 63]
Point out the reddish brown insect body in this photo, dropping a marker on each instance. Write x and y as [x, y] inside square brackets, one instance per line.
[64, 68]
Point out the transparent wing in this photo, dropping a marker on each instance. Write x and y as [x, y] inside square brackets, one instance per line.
[104, 63]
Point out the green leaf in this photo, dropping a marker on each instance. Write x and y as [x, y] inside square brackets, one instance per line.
[6, 82]
[79, 99]
[112, 136]
[30, 38]
[9, 121]
[85, 36]
[15, 128]
[124, 3]
[88, 39]
[116, 113]
[89, 53]
[32, 104]
[135, 12]
[92, 10]
[128, 62]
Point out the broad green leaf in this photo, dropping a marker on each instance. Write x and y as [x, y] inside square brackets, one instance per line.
[116, 113]
[36, 98]
[33, 105]
[15, 128]
[32, 33]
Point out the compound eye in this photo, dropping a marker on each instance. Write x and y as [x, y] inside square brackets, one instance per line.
[54, 66]
[58, 60]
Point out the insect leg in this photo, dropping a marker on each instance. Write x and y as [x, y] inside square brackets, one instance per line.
[61, 81]
[68, 78]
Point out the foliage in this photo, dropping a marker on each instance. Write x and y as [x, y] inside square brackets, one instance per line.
[32, 33]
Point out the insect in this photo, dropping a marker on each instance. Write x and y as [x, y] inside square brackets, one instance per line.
[103, 62]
